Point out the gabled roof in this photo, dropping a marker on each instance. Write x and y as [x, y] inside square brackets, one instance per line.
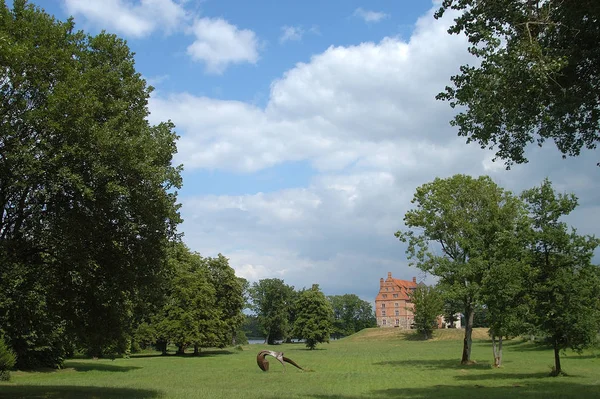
[395, 286]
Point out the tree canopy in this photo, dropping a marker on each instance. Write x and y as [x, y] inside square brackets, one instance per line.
[538, 78]
[462, 215]
[87, 187]
[314, 320]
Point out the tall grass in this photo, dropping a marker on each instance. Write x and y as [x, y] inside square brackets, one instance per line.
[372, 364]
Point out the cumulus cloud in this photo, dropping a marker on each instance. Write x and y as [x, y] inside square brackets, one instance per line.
[219, 44]
[369, 16]
[366, 119]
[137, 19]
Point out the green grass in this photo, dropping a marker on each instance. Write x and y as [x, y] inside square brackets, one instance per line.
[371, 364]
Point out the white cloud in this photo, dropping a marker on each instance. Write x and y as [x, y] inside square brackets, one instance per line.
[291, 33]
[366, 119]
[219, 44]
[369, 16]
[137, 19]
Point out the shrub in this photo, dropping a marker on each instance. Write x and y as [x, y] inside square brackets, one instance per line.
[7, 361]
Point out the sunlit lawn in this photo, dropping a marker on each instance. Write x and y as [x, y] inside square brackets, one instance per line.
[369, 365]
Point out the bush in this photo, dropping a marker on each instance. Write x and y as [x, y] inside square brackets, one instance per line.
[7, 361]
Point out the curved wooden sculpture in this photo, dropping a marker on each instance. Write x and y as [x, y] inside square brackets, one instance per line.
[264, 364]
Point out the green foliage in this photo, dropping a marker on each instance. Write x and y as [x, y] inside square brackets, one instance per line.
[272, 302]
[351, 314]
[229, 297]
[463, 216]
[565, 285]
[314, 320]
[539, 76]
[7, 360]
[88, 190]
[428, 305]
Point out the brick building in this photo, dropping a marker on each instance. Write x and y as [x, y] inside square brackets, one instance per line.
[393, 307]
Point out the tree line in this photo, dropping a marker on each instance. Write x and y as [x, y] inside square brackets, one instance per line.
[511, 255]
[283, 313]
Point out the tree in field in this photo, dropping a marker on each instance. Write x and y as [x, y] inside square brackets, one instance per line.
[271, 302]
[190, 315]
[539, 76]
[428, 305]
[351, 314]
[462, 215]
[565, 285]
[505, 292]
[87, 188]
[230, 301]
[314, 320]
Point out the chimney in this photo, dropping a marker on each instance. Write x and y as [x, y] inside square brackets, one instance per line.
[389, 275]
[380, 283]
[415, 280]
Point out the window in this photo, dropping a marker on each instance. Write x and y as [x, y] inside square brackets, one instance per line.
[386, 288]
[397, 313]
[384, 296]
[383, 312]
[383, 322]
[383, 306]
[397, 322]
[395, 295]
[396, 304]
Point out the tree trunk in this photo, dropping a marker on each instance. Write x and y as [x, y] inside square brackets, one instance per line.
[494, 350]
[466, 356]
[557, 369]
[497, 350]
[181, 349]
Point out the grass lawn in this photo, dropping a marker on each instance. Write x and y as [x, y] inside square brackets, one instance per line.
[375, 363]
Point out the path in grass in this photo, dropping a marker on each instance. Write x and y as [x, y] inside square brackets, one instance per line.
[368, 365]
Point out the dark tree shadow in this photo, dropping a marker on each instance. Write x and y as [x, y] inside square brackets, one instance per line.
[527, 390]
[436, 364]
[502, 376]
[74, 392]
[97, 366]
[202, 353]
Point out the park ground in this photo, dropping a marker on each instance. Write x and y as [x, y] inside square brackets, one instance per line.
[375, 363]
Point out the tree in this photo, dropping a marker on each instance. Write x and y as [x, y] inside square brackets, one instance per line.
[538, 79]
[87, 188]
[462, 215]
[271, 301]
[565, 285]
[428, 306]
[314, 321]
[505, 288]
[351, 314]
[230, 300]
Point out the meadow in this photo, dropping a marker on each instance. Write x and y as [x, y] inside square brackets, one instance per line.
[374, 363]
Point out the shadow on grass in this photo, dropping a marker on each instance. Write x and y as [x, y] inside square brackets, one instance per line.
[73, 392]
[203, 353]
[502, 376]
[436, 364]
[527, 390]
[97, 366]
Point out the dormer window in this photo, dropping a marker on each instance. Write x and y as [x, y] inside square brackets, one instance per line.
[384, 296]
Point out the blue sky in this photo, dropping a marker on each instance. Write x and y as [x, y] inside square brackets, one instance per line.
[307, 125]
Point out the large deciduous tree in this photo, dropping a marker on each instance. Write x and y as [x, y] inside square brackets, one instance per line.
[230, 300]
[314, 317]
[86, 187]
[462, 215]
[272, 302]
[538, 78]
[565, 285]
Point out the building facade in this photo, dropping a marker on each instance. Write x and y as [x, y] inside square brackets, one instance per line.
[393, 307]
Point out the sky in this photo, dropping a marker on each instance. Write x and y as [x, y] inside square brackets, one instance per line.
[306, 126]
